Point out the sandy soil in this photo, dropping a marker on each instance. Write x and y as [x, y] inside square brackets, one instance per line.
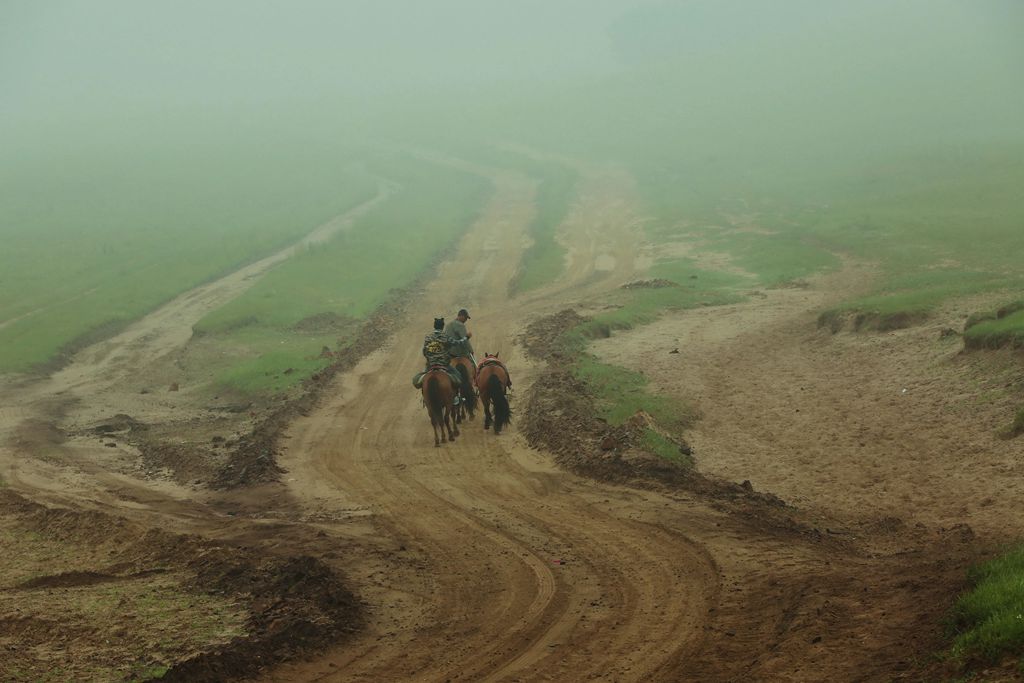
[481, 560]
[900, 425]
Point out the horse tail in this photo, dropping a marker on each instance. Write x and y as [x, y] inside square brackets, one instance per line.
[502, 411]
[467, 388]
[435, 403]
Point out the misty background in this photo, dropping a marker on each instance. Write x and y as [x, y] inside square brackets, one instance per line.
[734, 89]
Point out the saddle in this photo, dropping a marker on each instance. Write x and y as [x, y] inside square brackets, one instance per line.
[491, 360]
[438, 366]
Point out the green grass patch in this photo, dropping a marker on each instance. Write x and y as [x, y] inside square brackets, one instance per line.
[665, 448]
[940, 225]
[150, 673]
[775, 259]
[989, 619]
[685, 273]
[1001, 328]
[639, 306]
[99, 239]
[916, 295]
[345, 279]
[621, 392]
[271, 369]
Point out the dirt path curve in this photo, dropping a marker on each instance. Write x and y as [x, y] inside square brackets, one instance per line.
[479, 561]
[518, 571]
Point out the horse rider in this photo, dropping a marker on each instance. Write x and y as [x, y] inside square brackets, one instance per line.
[437, 351]
[459, 335]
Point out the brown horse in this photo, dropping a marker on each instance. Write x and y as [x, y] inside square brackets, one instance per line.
[492, 380]
[467, 390]
[439, 396]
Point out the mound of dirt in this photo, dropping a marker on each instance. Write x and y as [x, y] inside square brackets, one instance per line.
[864, 321]
[993, 340]
[657, 283]
[292, 603]
[296, 603]
[324, 323]
[69, 580]
[118, 423]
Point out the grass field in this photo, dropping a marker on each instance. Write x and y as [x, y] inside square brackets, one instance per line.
[95, 241]
[276, 330]
[957, 231]
[938, 226]
[996, 329]
[987, 619]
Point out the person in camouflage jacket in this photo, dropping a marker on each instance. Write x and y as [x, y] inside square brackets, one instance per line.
[437, 351]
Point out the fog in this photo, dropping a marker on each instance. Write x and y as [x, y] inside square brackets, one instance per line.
[729, 95]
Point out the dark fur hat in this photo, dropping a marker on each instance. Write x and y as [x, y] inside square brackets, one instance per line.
[438, 323]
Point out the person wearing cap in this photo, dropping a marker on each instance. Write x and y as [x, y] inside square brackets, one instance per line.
[459, 335]
[437, 352]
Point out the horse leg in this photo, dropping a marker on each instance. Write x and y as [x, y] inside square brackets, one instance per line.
[441, 423]
[433, 424]
[487, 412]
[451, 423]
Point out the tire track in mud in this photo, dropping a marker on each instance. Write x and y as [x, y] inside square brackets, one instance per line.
[527, 577]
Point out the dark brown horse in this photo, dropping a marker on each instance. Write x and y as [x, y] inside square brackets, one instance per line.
[439, 395]
[492, 380]
[467, 390]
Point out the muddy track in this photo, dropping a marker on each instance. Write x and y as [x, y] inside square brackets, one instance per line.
[519, 572]
[481, 560]
[501, 567]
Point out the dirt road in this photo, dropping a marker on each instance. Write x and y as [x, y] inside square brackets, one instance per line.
[515, 570]
[495, 566]
[481, 560]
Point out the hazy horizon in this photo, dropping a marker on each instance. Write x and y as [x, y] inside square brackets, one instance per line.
[739, 84]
